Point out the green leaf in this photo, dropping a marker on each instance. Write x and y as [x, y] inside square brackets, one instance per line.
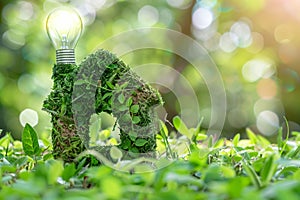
[47, 156]
[129, 101]
[201, 136]
[164, 129]
[181, 127]
[123, 108]
[140, 142]
[115, 153]
[124, 85]
[54, 170]
[136, 119]
[252, 174]
[258, 164]
[68, 172]
[295, 153]
[80, 82]
[30, 141]
[237, 157]
[126, 144]
[125, 118]
[210, 141]
[251, 135]
[110, 85]
[121, 98]
[106, 95]
[132, 135]
[133, 150]
[263, 141]
[227, 172]
[4, 141]
[134, 109]
[268, 170]
[20, 161]
[219, 143]
[236, 140]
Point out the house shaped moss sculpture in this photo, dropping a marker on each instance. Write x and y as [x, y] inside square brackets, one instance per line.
[101, 83]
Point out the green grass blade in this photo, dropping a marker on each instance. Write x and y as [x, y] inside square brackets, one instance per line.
[236, 140]
[252, 174]
[284, 143]
[268, 170]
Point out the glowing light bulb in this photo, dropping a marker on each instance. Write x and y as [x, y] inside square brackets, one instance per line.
[64, 27]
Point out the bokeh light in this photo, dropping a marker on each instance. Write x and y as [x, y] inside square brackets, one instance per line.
[258, 68]
[27, 83]
[13, 39]
[227, 42]
[240, 34]
[202, 18]
[29, 116]
[148, 15]
[267, 122]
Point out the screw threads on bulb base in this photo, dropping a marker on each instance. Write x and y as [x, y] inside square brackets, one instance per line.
[65, 56]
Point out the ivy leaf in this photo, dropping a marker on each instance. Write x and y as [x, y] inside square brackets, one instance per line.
[136, 119]
[121, 98]
[123, 108]
[132, 136]
[140, 142]
[129, 101]
[134, 109]
[30, 141]
[126, 144]
[125, 118]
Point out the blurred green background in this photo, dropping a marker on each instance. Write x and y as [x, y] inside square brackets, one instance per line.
[254, 43]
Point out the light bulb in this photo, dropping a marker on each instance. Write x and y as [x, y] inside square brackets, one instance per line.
[64, 27]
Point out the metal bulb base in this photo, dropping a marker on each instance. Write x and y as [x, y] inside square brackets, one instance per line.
[65, 56]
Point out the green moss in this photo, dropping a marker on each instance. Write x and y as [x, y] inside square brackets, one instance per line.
[66, 142]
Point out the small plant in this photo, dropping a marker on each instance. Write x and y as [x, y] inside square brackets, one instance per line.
[229, 169]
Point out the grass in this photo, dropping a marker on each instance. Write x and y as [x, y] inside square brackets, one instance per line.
[251, 168]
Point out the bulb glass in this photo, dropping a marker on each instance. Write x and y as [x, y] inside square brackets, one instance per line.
[64, 27]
